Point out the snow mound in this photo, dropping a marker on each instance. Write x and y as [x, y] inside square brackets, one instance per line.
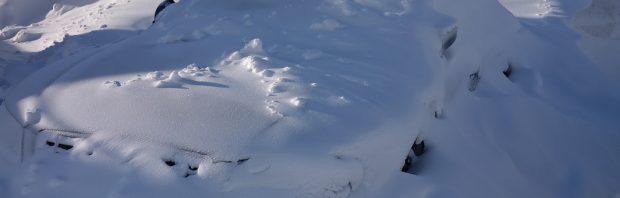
[309, 99]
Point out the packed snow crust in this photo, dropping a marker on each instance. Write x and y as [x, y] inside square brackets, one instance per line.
[265, 98]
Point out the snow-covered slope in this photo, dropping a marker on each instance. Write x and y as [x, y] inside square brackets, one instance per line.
[310, 99]
[36, 33]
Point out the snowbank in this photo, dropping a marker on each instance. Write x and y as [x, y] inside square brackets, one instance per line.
[323, 99]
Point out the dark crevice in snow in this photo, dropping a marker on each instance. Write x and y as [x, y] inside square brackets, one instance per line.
[169, 162]
[438, 114]
[50, 143]
[474, 79]
[418, 148]
[508, 71]
[191, 150]
[241, 161]
[191, 170]
[406, 165]
[222, 161]
[161, 8]
[65, 146]
[448, 40]
[413, 162]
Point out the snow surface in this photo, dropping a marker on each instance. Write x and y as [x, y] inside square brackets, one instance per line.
[265, 98]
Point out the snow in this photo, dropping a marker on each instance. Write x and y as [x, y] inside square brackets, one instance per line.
[514, 98]
[600, 19]
[35, 34]
[532, 8]
[327, 25]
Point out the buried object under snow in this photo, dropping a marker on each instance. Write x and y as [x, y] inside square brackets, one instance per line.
[161, 7]
[413, 157]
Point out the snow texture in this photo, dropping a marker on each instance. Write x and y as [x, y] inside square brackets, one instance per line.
[266, 98]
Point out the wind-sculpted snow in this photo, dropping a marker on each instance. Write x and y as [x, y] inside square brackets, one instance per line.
[310, 99]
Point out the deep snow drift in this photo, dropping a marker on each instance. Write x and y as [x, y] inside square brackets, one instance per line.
[514, 98]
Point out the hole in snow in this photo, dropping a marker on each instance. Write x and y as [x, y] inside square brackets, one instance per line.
[50, 143]
[189, 174]
[474, 79]
[407, 165]
[64, 146]
[508, 71]
[170, 162]
[192, 168]
[447, 40]
[241, 161]
[438, 114]
[418, 148]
